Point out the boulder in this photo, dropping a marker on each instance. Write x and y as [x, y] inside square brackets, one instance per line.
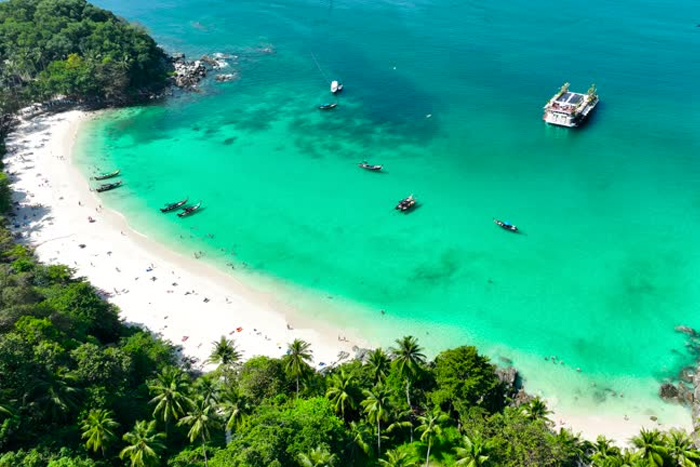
[224, 77]
[508, 377]
[668, 392]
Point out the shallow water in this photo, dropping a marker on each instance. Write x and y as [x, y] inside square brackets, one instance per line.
[448, 96]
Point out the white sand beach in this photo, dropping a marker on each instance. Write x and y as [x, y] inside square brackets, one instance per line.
[186, 301]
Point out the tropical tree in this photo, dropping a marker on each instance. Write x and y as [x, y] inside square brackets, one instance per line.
[56, 392]
[536, 409]
[430, 427]
[98, 430]
[603, 451]
[408, 357]
[376, 406]
[144, 444]
[378, 363]
[318, 457]
[397, 458]
[233, 408]
[681, 449]
[208, 387]
[297, 358]
[170, 389]
[651, 447]
[341, 391]
[225, 354]
[201, 419]
[474, 453]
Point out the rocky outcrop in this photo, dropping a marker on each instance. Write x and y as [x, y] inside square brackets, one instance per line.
[686, 330]
[186, 74]
[509, 378]
[668, 392]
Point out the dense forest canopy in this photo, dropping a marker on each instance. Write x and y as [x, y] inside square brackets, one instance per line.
[73, 48]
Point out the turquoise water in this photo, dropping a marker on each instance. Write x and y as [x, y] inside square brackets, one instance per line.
[448, 96]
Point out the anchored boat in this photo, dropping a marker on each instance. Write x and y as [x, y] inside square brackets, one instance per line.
[108, 186]
[190, 210]
[406, 204]
[506, 225]
[570, 109]
[336, 87]
[105, 176]
[367, 166]
[328, 106]
[173, 206]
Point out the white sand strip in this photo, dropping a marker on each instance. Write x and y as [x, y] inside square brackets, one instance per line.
[189, 303]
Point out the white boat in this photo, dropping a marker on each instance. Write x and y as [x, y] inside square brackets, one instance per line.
[570, 109]
[336, 87]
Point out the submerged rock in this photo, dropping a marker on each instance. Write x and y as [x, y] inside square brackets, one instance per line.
[686, 330]
[668, 392]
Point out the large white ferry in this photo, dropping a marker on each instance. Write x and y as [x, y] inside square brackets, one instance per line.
[568, 108]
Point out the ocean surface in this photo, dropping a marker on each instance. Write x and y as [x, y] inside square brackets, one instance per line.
[448, 96]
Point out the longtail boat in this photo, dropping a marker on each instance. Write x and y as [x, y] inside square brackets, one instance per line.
[192, 209]
[365, 165]
[105, 176]
[108, 186]
[506, 226]
[328, 106]
[173, 206]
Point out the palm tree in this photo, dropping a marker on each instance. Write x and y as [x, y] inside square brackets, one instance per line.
[318, 457]
[170, 389]
[650, 446]
[376, 406]
[225, 354]
[57, 392]
[405, 419]
[340, 392]
[144, 442]
[233, 408]
[98, 427]
[397, 458]
[208, 387]
[430, 427]
[474, 453]
[681, 449]
[536, 409]
[604, 451]
[408, 357]
[378, 363]
[362, 435]
[201, 418]
[297, 358]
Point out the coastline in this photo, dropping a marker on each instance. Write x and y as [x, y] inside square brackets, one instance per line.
[152, 285]
[116, 258]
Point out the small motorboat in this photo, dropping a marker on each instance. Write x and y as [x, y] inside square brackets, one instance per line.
[365, 165]
[108, 186]
[328, 106]
[192, 209]
[406, 204]
[105, 176]
[506, 226]
[173, 206]
[336, 87]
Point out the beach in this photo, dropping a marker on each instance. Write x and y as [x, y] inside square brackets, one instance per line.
[185, 301]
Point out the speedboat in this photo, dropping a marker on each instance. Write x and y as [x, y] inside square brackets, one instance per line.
[366, 166]
[506, 225]
[406, 204]
[336, 87]
[328, 106]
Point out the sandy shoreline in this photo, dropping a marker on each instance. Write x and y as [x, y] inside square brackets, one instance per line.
[186, 301]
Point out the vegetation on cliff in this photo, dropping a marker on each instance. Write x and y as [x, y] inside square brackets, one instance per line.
[74, 49]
